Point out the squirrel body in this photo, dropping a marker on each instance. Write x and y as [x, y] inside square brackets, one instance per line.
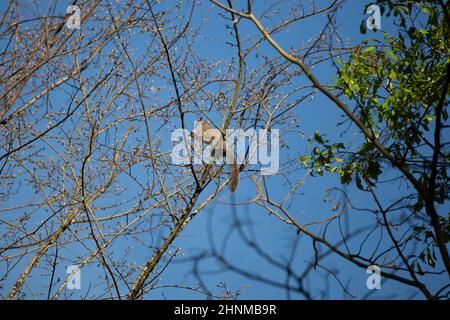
[212, 137]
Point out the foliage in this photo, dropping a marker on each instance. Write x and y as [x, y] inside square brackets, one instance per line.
[398, 88]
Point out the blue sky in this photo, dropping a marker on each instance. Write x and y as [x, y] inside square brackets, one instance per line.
[271, 235]
[320, 115]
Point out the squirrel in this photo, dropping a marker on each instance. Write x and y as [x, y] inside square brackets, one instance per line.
[213, 136]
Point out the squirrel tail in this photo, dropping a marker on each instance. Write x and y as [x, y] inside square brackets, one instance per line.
[234, 176]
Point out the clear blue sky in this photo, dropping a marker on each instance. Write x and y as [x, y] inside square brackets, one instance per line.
[274, 237]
